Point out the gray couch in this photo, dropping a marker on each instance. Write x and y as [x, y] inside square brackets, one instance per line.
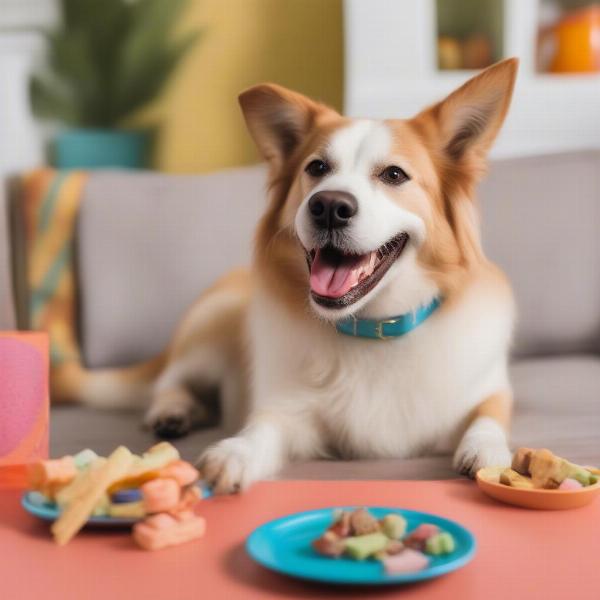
[149, 243]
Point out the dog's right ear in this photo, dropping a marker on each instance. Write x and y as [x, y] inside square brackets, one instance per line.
[278, 119]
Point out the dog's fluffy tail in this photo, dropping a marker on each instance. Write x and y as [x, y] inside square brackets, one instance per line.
[127, 387]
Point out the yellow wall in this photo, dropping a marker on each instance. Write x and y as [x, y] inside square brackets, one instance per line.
[297, 43]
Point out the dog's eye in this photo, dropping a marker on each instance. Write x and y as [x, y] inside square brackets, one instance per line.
[317, 168]
[393, 175]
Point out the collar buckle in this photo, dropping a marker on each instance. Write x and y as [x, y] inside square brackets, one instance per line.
[379, 328]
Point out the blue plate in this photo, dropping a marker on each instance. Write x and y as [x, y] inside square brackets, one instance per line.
[49, 511]
[284, 545]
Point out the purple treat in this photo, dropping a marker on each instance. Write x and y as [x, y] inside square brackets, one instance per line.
[125, 496]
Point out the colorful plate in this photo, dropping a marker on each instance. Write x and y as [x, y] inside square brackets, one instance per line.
[49, 511]
[284, 545]
[488, 482]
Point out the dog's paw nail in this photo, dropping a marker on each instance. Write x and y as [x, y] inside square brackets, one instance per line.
[227, 466]
[171, 427]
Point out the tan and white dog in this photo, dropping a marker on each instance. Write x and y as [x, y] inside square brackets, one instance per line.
[367, 220]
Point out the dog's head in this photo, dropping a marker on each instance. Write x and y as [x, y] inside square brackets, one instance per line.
[373, 217]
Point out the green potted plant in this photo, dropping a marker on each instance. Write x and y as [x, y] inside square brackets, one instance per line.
[107, 60]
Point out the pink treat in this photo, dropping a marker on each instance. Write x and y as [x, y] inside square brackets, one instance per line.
[161, 531]
[160, 495]
[189, 498]
[181, 471]
[407, 561]
[570, 485]
[417, 538]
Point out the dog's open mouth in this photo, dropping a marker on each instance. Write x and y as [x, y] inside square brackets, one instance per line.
[338, 279]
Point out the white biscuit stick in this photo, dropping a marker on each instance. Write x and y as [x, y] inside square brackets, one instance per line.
[77, 513]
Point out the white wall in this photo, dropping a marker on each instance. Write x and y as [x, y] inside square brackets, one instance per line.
[21, 46]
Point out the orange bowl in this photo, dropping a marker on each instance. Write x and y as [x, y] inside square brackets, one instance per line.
[488, 482]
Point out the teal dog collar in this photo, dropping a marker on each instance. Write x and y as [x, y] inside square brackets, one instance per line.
[387, 328]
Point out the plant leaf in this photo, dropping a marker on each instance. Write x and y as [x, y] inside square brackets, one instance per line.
[49, 101]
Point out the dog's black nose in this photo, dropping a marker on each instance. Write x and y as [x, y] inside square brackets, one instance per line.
[332, 210]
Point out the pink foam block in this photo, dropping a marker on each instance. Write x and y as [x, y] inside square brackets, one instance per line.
[23, 397]
[181, 471]
[161, 495]
[570, 484]
[161, 531]
[407, 561]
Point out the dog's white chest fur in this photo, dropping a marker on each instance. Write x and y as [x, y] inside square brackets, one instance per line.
[388, 398]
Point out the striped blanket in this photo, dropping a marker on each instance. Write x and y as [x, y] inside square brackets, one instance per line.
[50, 204]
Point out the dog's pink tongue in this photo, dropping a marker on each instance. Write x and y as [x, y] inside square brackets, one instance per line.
[334, 280]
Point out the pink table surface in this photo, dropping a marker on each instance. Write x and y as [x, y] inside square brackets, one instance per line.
[522, 554]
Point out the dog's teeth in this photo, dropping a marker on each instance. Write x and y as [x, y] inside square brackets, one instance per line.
[372, 261]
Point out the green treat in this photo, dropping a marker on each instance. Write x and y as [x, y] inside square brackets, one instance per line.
[580, 474]
[593, 479]
[84, 458]
[393, 526]
[362, 546]
[441, 543]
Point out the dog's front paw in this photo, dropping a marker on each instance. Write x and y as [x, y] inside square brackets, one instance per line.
[469, 459]
[227, 466]
[483, 445]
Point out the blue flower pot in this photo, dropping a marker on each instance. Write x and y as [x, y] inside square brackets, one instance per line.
[101, 148]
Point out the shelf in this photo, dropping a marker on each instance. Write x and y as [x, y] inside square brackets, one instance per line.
[391, 72]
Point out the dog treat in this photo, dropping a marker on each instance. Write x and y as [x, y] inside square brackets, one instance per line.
[73, 490]
[441, 543]
[102, 506]
[570, 484]
[581, 474]
[418, 537]
[163, 530]
[161, 495]
[181, 471]
[126, 496]
[189, 497]
[541, 469]
[47, 475]
[363, 522]
[84, 458]
[521, 459]
[147, 467]
[398, 552]
[547, 470]
[127, 510]
[124, 486]
[341, 524]
[394, 526]
[515, 479]
[407, 561]
[329, 544]
[76, 514]
[362, 546]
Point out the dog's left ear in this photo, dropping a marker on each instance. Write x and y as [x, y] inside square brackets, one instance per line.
[279, 119]
[469, 119]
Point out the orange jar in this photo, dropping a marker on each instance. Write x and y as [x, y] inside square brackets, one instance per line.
[576, 42]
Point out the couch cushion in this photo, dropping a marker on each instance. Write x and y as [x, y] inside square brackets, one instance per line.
[557, 407]
[541, 223]
[148, 245]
